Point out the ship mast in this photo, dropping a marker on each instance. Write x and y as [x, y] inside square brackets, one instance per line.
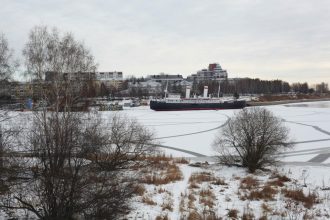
[166, 89]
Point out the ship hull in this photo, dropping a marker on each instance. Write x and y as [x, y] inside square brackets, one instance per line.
[165, 106]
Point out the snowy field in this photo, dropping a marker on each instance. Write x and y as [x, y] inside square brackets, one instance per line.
[191, 133]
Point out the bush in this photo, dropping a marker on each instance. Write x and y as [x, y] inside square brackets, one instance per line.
[252, 138]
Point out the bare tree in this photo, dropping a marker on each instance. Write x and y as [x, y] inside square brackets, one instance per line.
[253, 137]
[50, 51]
[78, 165]
[126, 142]
[8, 140]
[65, 63]
[322, 87]
[7, 63]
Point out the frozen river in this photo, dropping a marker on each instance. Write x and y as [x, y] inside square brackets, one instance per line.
[192, 132]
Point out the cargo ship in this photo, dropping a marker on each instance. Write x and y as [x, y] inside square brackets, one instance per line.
[204, 103]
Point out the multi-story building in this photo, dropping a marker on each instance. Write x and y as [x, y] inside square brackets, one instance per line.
[99, 76]
[213, 72]
[163, 78]
[109, 76]
[109, 79]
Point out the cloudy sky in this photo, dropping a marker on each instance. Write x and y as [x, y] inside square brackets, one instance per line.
[288, 39]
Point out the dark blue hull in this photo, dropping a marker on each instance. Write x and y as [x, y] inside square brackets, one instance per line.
[165, 106]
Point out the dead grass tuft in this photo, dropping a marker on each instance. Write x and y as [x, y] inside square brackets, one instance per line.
[267, 193]
[167, 205]
[139, 190]
[200, 177]
[191, 200]
[194, 216]
[207, 198]
[161, 190]
[193, 185]
[265, 208]
[280, 177]
[156, 158]
[249, 183]
[233, 213]
[248, 216]
[264, 217]
[279, 180]
[219, 181]
[181, 160]
[171, 173]
[162, 217]
[299, 196]
[206, 193]
[147, 200]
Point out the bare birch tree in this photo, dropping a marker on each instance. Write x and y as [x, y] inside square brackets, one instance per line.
[50, 51]
[254, 137]
[79, 166]
[7, 63]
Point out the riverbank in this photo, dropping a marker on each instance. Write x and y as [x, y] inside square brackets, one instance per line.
[281, 102]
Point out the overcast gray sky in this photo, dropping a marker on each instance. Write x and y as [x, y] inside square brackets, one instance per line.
[288, 39]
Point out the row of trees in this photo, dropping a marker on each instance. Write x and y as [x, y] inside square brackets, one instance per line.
[241, 86]
[257, 86]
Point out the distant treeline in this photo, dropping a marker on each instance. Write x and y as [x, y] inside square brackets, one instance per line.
[229, 86]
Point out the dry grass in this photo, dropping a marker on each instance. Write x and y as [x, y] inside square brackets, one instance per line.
[280, 177]
[193, 185]
[139, 190]
[267, 193]
[191, 200]
[264, 217]
[157, 158]
[278, 180]
[200, 177]
[248, 216]
[249, 183]
[193, 215]
[265, 208]
[181, 160]
[167, 205]
[233, 213]
[206, 193]
[299, 196]
[170, 173]
[147, 200]
[182, 204]
[161, 190]
[162, 217]
[191, 197]
[275, 183]
[219, 181]
[207, 198]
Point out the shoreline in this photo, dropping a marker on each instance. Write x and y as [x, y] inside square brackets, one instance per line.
[251, 103]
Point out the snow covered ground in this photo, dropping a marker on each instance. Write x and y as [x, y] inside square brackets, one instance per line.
[186, 197]
[194, 132]
[191, 133]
